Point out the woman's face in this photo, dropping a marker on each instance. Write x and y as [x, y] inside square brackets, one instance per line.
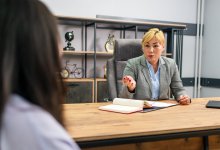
[153, 50]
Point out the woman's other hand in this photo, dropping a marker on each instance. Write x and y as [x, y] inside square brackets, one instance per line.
[184, 100]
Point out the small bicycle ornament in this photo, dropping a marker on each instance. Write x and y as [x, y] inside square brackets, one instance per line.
[71, 69]
[110, 43]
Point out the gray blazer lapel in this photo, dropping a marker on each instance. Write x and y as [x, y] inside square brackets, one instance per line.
[145, 72]
[163, 78]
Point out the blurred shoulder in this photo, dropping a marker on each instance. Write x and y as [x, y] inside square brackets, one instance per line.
[25, 123]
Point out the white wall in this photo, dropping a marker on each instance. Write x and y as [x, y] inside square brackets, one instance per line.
[167, 10]
[210, 92]
[211, 40]
[211, 46]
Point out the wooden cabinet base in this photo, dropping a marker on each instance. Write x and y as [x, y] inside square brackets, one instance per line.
[82, 90]
[195, 143]
[79, 91]
[102, 90]
[214, 142]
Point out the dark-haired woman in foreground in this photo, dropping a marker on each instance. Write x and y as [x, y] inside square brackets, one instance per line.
[31, 89]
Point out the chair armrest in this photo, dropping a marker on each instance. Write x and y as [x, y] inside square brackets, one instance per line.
[111, 79]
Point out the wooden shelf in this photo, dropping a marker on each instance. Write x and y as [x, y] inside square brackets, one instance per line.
[97, 53]
[78, 80]
[83, 79]
[101, 79]
[86, 52]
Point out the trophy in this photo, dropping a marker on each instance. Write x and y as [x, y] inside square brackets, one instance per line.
[69, 36]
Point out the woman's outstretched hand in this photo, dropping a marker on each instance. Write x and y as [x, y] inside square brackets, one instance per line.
[129, 82]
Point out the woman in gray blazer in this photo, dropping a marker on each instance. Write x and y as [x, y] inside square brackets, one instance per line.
[151, 76]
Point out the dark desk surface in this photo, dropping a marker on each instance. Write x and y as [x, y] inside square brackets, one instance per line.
[85, 123]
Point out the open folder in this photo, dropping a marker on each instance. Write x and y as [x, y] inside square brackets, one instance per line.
[122, 105]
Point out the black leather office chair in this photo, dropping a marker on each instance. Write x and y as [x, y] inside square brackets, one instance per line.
[124, 50]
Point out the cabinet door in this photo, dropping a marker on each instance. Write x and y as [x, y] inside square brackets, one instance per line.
[102, 91]
[79, 92]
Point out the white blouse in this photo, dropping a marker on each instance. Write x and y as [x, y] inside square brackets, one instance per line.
[26, 126]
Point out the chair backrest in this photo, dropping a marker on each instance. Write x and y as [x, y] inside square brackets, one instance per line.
[124, 49]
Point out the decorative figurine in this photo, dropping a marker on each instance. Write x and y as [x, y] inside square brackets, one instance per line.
[69, 36]
[72, 69]
[110, 43]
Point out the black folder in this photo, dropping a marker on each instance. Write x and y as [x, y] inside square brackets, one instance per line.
[213, 104]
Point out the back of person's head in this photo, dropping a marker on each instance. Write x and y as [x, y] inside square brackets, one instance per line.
[151, 33]
[29, 60]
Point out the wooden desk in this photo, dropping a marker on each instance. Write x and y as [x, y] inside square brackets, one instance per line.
[91, 127]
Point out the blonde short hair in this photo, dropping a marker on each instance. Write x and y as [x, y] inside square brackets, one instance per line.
[150, 34]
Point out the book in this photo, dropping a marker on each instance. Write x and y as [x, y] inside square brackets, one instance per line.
[158, 105]
[213, 104]
[122, 105]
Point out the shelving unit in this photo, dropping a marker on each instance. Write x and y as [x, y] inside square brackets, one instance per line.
[174, 35]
